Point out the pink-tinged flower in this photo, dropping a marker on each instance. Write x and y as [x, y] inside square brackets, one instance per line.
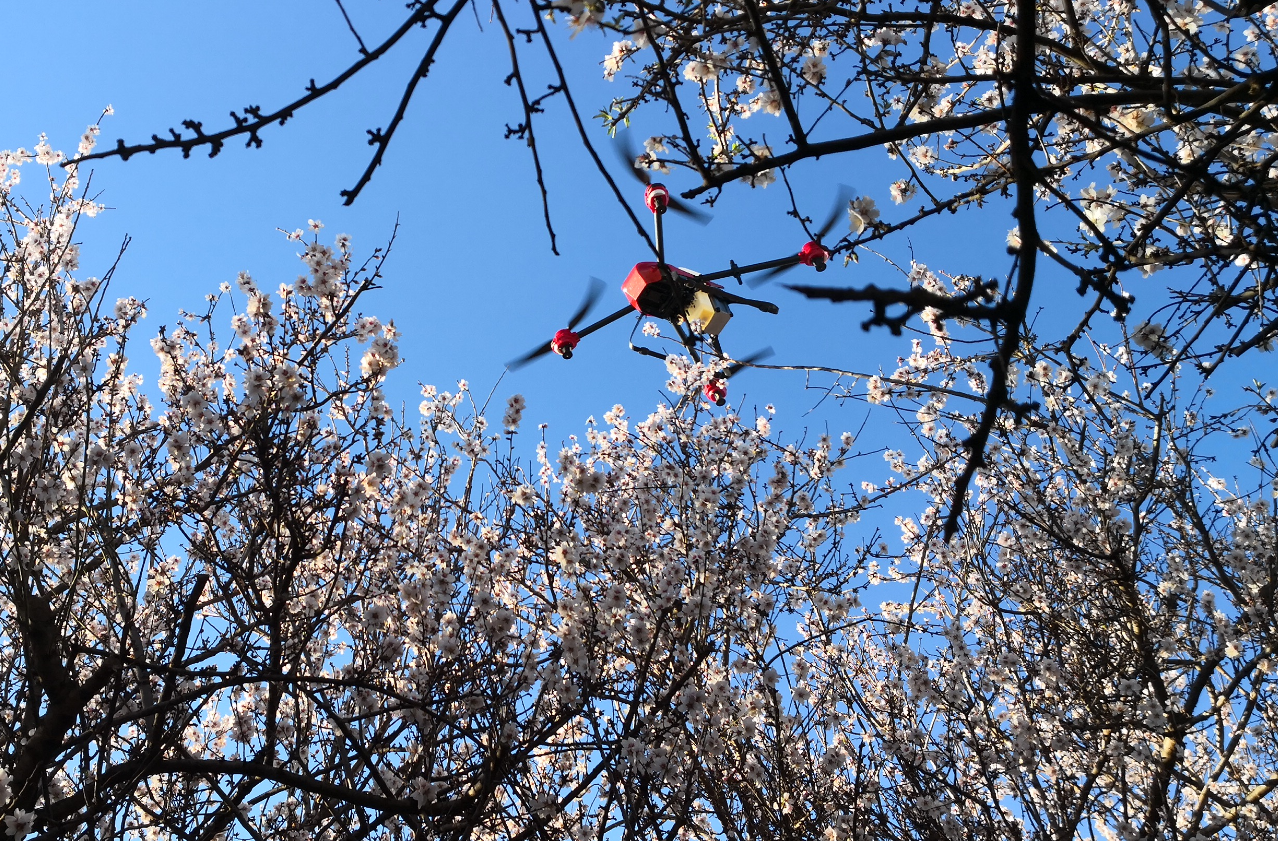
[862, 213]
[902, 191]
[813, 70]
[19, 824]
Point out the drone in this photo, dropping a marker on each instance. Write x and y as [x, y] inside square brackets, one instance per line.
[696, 305]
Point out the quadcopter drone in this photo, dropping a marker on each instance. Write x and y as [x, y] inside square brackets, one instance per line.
[696, 305]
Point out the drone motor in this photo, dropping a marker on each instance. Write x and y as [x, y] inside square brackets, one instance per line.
[564, 342]
[716, 391]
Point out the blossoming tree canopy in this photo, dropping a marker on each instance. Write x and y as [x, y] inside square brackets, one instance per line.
[265, 606]
[254, 600]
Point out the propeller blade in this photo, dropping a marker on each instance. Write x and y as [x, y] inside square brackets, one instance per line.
[588, 301]
[757, 356]
[845, 194]
[592, 297]
[761, 278]
[842, 197]
[536, 353]
[695, 214]
[626, 151]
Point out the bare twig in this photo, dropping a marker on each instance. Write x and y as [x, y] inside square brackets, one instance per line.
[525, 129]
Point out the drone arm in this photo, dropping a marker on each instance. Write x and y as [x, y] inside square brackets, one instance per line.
[605, 321]
[780, 263]
[660, 238]
[640, 349]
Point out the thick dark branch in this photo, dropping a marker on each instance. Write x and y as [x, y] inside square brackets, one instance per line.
[877, 137]
[129, 772]
[774, 71]
[585, 137]
[33, 408]
[66, 698]
[915, 301]
[1255, 90]
[179, 648]
[1025, 175]
[669, 85]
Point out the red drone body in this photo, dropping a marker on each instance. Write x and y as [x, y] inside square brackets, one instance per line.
[651, 290]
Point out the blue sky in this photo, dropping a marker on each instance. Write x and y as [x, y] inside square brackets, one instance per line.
[471, 282]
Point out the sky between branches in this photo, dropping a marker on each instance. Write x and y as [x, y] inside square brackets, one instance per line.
[472, 282]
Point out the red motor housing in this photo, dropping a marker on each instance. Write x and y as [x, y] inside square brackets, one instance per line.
[657, 197]
[814, 254]
[564, 343]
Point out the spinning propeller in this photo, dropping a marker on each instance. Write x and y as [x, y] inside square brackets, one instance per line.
[566, 339]
[626, 151]
[814, 253]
